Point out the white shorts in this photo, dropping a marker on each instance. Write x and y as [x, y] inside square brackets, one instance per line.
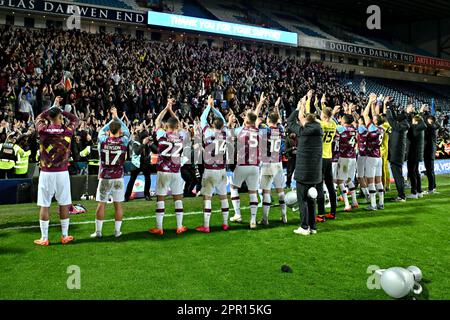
[249, 174]
[115, 187]
[169, 180]
[214, 179]
[346, 169]
[334, 166]
[54, 184]
[272, 173]
[360, 166]
[374, 167]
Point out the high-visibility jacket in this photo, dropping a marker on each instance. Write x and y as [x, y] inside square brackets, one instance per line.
[22, 161]
[8, 155]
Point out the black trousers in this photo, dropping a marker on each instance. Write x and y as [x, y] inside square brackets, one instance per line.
[290, 170]
[133, 175]
[7, 174]
[429, 168]
[307, 205]
[414, 176]
[398, 177]
[327, 170]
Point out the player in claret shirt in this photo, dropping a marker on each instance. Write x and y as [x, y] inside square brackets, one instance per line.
[113, 141]
[171, 141]
[374, 167]
[55, 138]
[346, 135]
[215, 146]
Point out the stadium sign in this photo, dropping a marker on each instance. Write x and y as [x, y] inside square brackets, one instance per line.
[437, 63]
[83, 11]
[222, 28]
[370, 52]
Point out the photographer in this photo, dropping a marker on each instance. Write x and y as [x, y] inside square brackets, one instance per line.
[397, 145]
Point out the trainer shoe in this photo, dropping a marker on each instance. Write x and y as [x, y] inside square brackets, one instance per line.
[236, 218]
[301, 231]
[181, 230]
[96, 235]
[370, 208]
[412, 196]
[355, 205]
[203, 229]
[117, 234]
[252, 225]
[320, 218]
[225, 227]
[348, 209]
[66, 239]
[330, 216]
[313, 231]
[398, 199]
[433, 192]
[263, 222]
[419, 195]
[380, 206]
[284, 218]
[156, 231]
[41, 242]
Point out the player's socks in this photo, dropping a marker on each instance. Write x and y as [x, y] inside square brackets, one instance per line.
[179, 213]
[266, 206]
[117, 226]
[253, 207]
[351, 188]
[282, 204]
[207, 213]
[159, 214]
[365, 191]
[373, 194]
[236, 202]
[225, 210]
[344, 194]
[44, 229]
[380, 189]
[98, 226]
[65, 227]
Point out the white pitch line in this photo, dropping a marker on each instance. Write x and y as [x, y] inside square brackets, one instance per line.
[110, 220]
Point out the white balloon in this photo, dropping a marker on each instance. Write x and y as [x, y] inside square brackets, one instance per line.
[397, 282]
[312, 193]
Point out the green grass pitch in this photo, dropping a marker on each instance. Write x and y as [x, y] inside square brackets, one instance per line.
[236, 264]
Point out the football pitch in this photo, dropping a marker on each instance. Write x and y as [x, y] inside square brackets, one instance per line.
[238, 264]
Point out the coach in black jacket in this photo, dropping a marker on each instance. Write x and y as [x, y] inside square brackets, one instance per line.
[416, 138]
[397, 148]
[429, 153]
[308, 165]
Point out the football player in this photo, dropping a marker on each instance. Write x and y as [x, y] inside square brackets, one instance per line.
[171, 141]
[272, 168]
[214, 156]
[113, 141]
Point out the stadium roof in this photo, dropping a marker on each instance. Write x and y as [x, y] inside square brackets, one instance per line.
[391, 10]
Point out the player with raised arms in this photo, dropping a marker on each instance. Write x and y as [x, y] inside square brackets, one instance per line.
[171, 141]
[55, 138]
[272, 173]
[374, 164]
[215, 146]
[346, 137]
[113, 141]
[247, 166]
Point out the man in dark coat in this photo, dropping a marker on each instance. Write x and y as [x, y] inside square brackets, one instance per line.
[429, 154]
[397, 148]
[416, 138]
[308, 166]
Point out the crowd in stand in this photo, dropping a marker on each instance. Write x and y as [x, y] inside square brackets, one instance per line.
[95, 72]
